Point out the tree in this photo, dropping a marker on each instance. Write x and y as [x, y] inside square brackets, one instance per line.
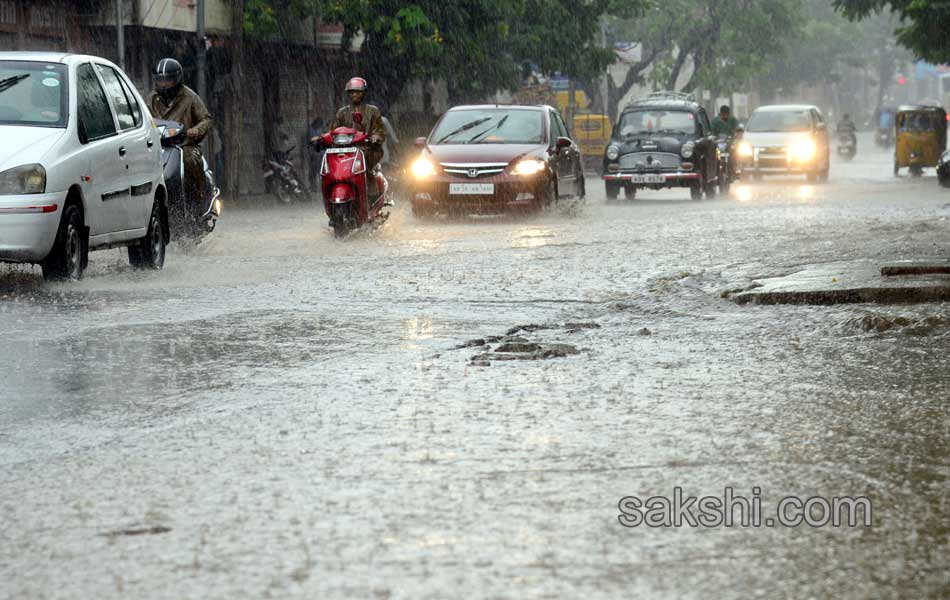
[722, 43]
[924, 23]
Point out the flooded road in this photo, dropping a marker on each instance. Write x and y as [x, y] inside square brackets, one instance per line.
[279, 414]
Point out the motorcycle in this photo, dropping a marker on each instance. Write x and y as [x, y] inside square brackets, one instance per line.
[884, 138]
[188, 218]
[345, 186]
[943, 170]
[729, 169]
[847, 145]
[281, 178]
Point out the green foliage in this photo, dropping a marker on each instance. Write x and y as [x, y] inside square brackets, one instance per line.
[924, 23]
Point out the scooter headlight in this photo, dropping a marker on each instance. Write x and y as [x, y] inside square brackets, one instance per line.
[342, 140]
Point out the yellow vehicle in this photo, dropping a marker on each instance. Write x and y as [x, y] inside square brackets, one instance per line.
[921, 138]
[592, 133]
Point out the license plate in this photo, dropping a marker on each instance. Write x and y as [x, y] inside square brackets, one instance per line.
[472, 189]
[649, 179]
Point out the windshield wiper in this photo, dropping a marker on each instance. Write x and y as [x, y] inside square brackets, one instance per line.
[501, 121]
[465, 127]
[9, 82]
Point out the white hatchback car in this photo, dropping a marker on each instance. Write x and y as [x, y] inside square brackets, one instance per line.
[80, 164]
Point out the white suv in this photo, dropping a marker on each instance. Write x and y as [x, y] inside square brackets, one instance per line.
[80, 165]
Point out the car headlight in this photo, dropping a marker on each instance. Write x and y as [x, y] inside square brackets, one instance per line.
[744, 149]
[687, 150]
[28, 179]
[804, 150]
[423, 168]
[613, 152]
[529, 166]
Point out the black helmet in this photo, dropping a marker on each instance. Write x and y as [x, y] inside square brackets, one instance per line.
[167, 75]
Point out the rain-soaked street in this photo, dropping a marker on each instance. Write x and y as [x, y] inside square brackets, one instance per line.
[279, 414]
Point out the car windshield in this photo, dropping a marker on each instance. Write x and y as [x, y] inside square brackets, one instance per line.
[674, 122]
[33, 94]
[788, 120]
[490, 126]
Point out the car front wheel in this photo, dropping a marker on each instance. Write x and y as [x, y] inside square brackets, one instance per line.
[612, 190]
[149, 252]
[66, 259]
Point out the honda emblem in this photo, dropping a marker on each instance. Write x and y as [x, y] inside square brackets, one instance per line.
[473, 173]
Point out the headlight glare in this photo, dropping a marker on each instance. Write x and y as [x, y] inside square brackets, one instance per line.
[423, 168]
[28, 179]
[529, 166]
[744, 149]
[804, 150]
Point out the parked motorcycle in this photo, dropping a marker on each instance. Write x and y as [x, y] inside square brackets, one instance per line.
[727, 165]
[345, 185]
[847, 145]
[188, 218]
[281, 178]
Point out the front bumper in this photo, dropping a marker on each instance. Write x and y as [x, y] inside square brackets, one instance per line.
[510, 191]
[670, 179]
[28, 226]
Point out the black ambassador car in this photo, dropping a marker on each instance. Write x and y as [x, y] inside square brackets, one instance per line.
[661, 141]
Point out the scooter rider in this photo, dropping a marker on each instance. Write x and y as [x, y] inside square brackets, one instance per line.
[171, 100]
[371, 121]
[846, 127]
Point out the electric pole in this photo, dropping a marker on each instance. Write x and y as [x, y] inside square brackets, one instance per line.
[120, 32]
[202, 50]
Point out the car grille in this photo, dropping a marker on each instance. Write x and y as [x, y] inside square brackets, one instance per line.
[649, 161]
[473, 170]
[776, 156]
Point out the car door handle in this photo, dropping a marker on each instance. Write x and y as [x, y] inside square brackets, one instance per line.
[122, 151]
[149, 142]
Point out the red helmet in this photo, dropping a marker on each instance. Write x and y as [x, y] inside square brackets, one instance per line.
[356, 84]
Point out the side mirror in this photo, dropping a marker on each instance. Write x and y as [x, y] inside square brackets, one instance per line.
[563, 142]
[420, 142]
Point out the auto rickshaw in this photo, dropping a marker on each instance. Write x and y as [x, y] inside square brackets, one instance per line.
[592, 133]
[921, 137]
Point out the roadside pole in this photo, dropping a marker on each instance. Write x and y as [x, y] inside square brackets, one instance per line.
[120, 32]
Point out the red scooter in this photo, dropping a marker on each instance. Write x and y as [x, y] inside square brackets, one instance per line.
[344, 183]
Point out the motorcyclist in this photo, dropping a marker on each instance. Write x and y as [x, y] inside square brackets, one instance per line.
[371, 121]
[171, 100]
[847, 128]
[725, 124]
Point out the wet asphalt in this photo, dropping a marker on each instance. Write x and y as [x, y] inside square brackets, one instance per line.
[279, 414]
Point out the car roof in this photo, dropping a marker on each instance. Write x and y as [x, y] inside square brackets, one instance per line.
[52, 57]
[786, 108]
[658, 103]
[918, 107]
[488, 106]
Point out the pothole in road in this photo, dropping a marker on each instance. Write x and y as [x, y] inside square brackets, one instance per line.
[512, 347]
